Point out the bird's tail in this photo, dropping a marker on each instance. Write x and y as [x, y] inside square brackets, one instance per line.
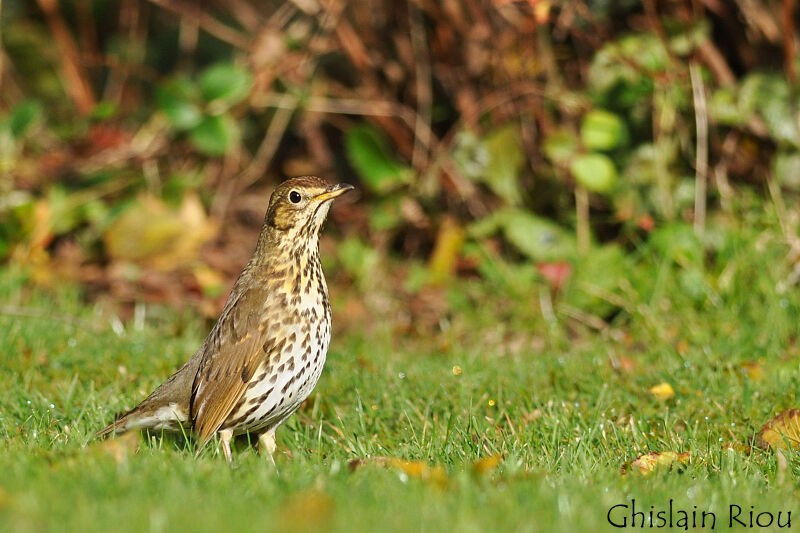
[166, 408]
[117, 426]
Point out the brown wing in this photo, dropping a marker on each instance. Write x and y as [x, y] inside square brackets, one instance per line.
[234, 350]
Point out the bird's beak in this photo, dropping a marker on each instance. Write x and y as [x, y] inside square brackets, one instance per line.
[333, 192]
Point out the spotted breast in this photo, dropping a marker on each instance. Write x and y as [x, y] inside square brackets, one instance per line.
[295, 357]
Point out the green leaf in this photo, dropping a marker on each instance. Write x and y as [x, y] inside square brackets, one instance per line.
[725, 108]
[787, 169]
[506, 159]
[64, 213]
[23, 117]
[599, 271]
[385, 215]
[596, 172]
[602, 130]
[175, 100]
[214, 135]
[775, 106]
[368, 152]
[104, 110]
[538, 238]
[678, 242]
[560, 146]
[225, 82]
[359, 259]
[470, 154]
[496, 160]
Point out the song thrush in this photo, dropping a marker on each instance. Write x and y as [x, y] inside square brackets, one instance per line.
[265, 354]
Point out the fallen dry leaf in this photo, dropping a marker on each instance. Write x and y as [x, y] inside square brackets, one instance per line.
[443, 259]
[119, 448]
[211, 281]
[752, 369]
[435, 474]
[739, 447]
[783, 431]
[153, 233]
[308, 510]
[662, 391]
[622, 364]
[648, 462]
[485, 465]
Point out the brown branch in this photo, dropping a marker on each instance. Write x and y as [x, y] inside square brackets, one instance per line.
[715, 61]
[789, 48]
[342, 106]
[212, 26]
[73, 76]
[424, 92]
[701, 156]
[260, 162]
[2, 54]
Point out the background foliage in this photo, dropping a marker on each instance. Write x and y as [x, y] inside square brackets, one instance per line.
[139, 140]
[573, 258]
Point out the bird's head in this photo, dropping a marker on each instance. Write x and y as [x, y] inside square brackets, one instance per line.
[299, 205]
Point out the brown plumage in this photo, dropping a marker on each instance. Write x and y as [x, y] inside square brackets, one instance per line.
[266, 352]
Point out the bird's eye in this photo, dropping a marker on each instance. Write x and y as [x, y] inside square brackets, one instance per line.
[295, 197]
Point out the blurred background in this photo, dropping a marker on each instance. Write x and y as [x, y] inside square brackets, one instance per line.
[535, 149]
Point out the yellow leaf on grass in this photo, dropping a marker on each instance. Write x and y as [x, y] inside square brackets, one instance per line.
[420, 470]
[739, 447]
[783, 431]
[413, 469]
[119, 448]
[662, 391]
[753, 369]
[485, 465]
[648, 462]
[307, 510]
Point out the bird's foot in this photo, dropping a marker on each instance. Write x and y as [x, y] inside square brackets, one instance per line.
[267, 445]
[225, 436]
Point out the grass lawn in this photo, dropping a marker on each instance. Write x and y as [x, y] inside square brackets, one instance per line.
[428, 409]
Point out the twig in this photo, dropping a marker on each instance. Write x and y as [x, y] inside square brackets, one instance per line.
[701, 156]
[29, 312]
[424, 92]
[74, 78]
[188, 36]
[212, 26]
[87, 30]
[789, 49]
[582, 216]
[340, 106]
[721, 170]
[2, 55]
[130, 22]
[588, 319]
[715, 61]
[663, 181]
[260, 162]
[266, 150]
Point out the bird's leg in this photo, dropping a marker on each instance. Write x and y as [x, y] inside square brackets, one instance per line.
[225, 436]
[266, 443]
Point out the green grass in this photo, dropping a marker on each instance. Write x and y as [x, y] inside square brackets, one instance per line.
[540, 392]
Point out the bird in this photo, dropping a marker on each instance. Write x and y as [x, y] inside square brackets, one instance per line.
[265, 354]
